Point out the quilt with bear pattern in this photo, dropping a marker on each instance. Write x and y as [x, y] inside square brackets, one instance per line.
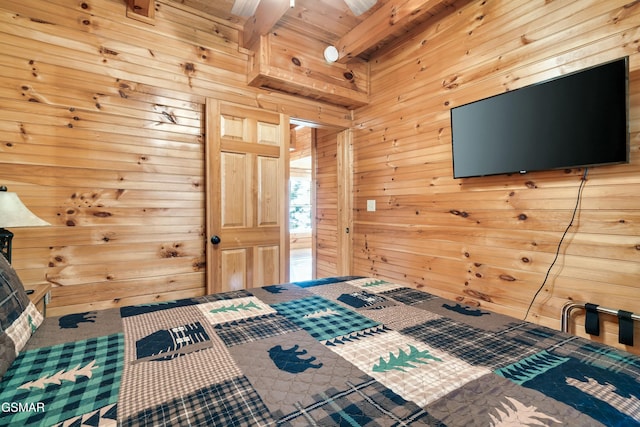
[341, 351]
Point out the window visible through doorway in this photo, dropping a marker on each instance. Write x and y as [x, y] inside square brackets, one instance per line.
[300, 223]
[300, 205]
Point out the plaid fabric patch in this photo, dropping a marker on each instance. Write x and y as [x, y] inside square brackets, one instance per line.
[242, 293]
[231, 403]
[21, 330]
[323, 319]
[408, 296]
[253, 329]
[68, 379]
[12, 300]
[367, 403]
[493, 350]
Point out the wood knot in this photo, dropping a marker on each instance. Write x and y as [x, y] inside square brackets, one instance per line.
[478, 295]
[107, 51]
[456, 212]
[530, 184]
[450, 83]
[507, 278]
[348, 75]
[522, 217]
[296, 61]
[169, 252]
[525, 259]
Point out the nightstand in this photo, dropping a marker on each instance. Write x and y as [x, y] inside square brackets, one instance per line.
[40, 296]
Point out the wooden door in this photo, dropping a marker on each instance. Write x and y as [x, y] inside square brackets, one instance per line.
[247, 197]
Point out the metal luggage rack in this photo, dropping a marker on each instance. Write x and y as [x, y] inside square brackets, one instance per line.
[572, 305]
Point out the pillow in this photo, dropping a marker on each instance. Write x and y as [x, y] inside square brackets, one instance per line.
[19, 318]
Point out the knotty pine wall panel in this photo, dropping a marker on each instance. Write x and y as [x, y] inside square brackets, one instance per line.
[102, 135]
[326, 220]
[489, 241]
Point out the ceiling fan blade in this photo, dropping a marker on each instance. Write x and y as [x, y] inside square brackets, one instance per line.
[358, 7]
[244, 7]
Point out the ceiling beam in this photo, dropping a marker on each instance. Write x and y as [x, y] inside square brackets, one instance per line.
[381, 24]
[267, 14]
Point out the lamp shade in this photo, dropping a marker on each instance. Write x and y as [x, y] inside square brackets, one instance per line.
[13, 213]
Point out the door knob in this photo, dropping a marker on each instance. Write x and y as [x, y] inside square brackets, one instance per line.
[215, 240]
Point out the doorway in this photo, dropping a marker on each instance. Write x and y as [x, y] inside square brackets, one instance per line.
[321, 160]
[301, 203]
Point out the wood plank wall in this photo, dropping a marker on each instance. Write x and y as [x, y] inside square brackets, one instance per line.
[489, 241]
[101, 121]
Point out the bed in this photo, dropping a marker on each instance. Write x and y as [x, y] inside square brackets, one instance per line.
[337, 351]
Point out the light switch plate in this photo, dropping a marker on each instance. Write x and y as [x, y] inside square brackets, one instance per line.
[371, 205]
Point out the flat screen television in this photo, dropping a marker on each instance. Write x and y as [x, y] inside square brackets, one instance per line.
[577, 120]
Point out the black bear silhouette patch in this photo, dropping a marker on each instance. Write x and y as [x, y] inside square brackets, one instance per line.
[290, 360]
[465, 310]
[71, 321]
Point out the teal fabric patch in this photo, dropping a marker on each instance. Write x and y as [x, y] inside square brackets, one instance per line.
[51, 384]
[323, 319]
[530, 367]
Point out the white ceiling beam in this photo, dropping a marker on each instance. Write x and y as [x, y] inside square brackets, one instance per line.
[267, 14]
[382, 23]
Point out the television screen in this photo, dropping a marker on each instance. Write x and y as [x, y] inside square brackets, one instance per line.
[576, 120]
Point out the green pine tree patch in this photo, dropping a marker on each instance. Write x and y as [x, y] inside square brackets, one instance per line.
[236, 308]
[404, 360]
[375, 283]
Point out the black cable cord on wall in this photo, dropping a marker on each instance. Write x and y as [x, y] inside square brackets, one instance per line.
[575, 210]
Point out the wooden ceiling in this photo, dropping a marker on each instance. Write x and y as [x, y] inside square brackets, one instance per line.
[288, 38]
[330, 21]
